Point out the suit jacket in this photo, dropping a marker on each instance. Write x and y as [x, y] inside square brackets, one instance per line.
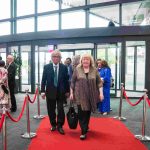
[11, 75]
[47, 84]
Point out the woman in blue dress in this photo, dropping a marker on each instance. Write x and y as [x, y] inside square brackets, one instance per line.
[105, 73]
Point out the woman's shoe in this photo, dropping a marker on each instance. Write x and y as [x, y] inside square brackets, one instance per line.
[83, 137]
[105, 113]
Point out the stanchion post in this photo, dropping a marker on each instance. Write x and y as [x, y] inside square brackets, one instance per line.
[39, 116]
[28, 134]
[119, 117]
[4, 133]
[143, 137]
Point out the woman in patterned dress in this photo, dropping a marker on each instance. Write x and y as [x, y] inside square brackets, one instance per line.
[86, 90]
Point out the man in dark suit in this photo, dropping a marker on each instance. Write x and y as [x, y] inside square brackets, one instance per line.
[55, 86]
[11, 68]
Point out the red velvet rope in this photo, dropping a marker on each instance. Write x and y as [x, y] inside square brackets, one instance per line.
[20, 116]
[127, 99]
[36, 92]
[2, 121]
[148, 101]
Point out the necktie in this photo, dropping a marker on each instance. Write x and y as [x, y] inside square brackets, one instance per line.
[55, 76]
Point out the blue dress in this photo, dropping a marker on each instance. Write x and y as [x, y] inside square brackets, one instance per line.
[105, 74]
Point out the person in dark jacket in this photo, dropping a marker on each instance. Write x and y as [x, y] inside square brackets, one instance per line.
[55, 86]
[11, 68]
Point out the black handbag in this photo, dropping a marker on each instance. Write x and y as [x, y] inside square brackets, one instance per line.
[72, 117]
[4, 89]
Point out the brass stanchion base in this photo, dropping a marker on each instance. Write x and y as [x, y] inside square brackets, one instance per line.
[38, 116]
[120, 118]
[28, 135]
[142, 138]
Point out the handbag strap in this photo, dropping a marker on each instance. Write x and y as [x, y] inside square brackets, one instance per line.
[71, 104]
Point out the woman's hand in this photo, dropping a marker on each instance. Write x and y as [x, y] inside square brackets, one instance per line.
[101, 97]
[71, 96]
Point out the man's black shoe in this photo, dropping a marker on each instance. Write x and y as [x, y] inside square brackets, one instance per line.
[60, 130]
[53, 128]
[13, 109]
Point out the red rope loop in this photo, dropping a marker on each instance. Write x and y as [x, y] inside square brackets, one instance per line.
[148, 101]
[20, 115]
[35, 95]
[127, 99]
[2, 121]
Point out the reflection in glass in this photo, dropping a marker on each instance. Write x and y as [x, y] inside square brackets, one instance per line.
[101, 16]
[111, 52]
[72, 20]
[135, 61]
[3, 53]
[129, 70]
[48, 22]
[100, 1]
[4, 28]
[25, 25]
[101, 53]
[72, 3]
[45, 58]
[139, 13]
[66, 55]
[4, 9]
[81, 52]
[25, 7]
[47, 5]
[76, 46]
[26, 67]
[140, 75]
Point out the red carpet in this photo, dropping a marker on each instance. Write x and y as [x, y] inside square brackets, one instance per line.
[104, 134]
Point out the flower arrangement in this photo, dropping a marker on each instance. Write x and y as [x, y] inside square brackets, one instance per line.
[18, 62]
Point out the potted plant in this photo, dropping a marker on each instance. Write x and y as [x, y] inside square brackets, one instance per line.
[18, 63]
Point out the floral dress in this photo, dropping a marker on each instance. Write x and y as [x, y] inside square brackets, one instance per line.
[4, 90]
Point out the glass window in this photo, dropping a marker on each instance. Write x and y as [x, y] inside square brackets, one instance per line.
[129, 70]
[3, 52]
[25, 7]
[76, 46]
[81, 52]
[48, 22]
[4, 9]
[140, 75]
[25, 25]
[72, 20]
[139, 13]
[72, 3]
[66, 55]
[47, 5]
[101, 16]
[100, 1]
[45, 58]
[96, 21]
[101, 52]
[25, 68]
[5, 28]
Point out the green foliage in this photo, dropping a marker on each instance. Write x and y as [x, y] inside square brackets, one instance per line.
[18, 62]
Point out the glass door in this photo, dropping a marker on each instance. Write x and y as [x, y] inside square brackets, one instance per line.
[42, 57]
[111, 53]
[26, 67]
[3, 52]
[135, 65]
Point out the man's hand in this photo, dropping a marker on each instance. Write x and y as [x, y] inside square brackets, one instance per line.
[43, 95]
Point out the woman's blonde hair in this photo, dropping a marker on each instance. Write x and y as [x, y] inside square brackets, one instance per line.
[92, 64]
